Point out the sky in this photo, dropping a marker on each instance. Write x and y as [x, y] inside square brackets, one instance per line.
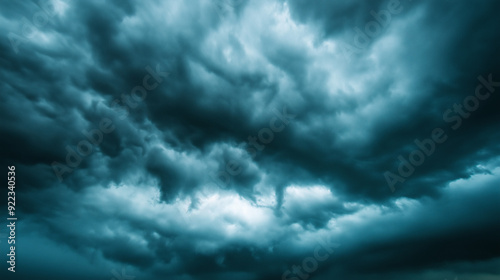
[251, 139]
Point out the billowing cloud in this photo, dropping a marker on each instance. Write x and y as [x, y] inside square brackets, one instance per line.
[234, 139]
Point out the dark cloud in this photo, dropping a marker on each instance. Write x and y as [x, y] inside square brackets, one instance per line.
[151, 139]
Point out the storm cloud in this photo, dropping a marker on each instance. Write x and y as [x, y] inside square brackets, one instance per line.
[237, 139]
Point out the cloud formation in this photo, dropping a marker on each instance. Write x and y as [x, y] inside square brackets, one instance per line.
[151, 139]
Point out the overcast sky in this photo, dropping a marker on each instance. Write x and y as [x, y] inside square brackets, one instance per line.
[252, 139]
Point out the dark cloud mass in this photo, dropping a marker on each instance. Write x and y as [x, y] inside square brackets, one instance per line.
[237, 139]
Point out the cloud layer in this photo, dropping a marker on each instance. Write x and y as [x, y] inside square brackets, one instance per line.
[234, 139]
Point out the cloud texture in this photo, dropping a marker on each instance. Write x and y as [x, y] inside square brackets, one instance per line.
[235, 139]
